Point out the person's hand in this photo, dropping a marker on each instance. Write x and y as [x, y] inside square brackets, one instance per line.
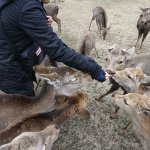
[102, 76]
[49, 20]
[107, 76]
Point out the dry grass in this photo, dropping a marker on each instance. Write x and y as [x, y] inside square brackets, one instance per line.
[100, 132]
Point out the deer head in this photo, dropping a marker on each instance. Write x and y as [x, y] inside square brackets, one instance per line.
[74, 104]
[65, 80]
[132, 103]
[131, 79]
[117, 57]
[105, 31]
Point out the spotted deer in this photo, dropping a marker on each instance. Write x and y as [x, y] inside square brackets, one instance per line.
[138, 108]
[100, 15]
[42, 140]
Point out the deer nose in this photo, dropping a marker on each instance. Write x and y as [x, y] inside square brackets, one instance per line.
[113, 95]
[110, 72]
[56, 126]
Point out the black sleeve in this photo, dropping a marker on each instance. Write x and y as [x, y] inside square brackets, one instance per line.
[32, 20]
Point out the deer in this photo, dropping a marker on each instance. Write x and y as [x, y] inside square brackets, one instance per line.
[143, 25]
[119, 59]
[47, 62]
[87, 44]
[42, 140]
[52, 10]
[100, 15]
[138, 108]
[60, 80]
[132, 80]
[66, 107]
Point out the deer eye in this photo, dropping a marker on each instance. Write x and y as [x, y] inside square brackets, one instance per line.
[125, 102]
[73, 79]
[120, 62]
[106, 59]
[129, 77]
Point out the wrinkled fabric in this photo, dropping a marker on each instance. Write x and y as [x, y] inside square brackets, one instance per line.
[25, 23]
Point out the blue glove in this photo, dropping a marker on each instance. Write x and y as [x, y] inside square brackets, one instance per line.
[101, 76]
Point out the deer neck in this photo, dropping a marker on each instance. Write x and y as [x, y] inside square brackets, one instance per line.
[141, 124]
[45, 100]
[59, 116]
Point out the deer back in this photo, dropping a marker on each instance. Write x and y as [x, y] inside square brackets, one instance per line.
[99, 13]
[66, 107]
[34, 140]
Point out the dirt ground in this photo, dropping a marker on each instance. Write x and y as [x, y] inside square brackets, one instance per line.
[100, 132]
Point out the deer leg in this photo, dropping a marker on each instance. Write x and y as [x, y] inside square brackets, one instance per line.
[91, 23]
[98, 25]
[139, 36]
[96, 52]
[143, 38]
[113, 88]
[114, 114]
[123, 131]
[57, 20]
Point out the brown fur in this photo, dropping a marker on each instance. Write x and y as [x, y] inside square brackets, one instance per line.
[100, 15]
[66, 107]
[16, 106]
[143, 25]
[87, 44]
[52, 10]
[137, 106]
[34, 140]
[119, 59]
[132, 80]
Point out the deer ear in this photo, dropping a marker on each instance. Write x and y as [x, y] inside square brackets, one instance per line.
[142, 87]
[123, 52]
[84, 114]
[144, 111]
[48, 77]
[112, 47]
[146, 79]
[144, 9]
[108, 28]
[42, 69]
